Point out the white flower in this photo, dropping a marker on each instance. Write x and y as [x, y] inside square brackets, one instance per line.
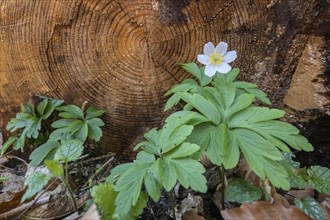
[216, 58]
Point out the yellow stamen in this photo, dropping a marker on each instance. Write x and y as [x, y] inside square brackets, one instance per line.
[216, 58]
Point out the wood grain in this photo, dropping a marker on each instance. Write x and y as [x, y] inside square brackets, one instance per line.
[121, 54]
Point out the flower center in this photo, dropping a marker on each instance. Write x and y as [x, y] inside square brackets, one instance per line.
[216, 58]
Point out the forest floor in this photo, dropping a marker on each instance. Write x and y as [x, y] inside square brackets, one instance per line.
[90, 170]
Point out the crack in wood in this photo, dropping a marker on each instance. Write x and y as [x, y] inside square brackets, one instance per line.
[131, 18]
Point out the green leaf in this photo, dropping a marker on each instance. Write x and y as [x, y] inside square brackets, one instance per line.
[42, 106]
[75, 126]
[7, 144]
[260, 164]
[129, 187]
[205, 80]
[296, 180]
[185, 117]
[35, 182]
[172, 101]
[185, 86]
[94, 112]
[241, 191]
[201, 135]
[257, 143]
[145, 157]
[319, 178]
[58, 134]
[203, 106]
[189, 173]
[167, 174]
[253, 89]
[215, 147]
[118, 171]
[184, 150]
[61, 123]
[54, 167]
[233, 73]
[70, 151]
[311, 207]
[94, 133]
[230, 148]
[82, 133]
[170, 138]
[254, 114]
[148, 147]
[40, 153]
[51, 105]
[95, 121]
[137, 209]
[71, 111]
[225, 89]
[104, 197]
[152, 182]
[240, 103]
[191, 68]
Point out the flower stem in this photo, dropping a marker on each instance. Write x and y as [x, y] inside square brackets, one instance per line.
[223, 176]
[172, 203]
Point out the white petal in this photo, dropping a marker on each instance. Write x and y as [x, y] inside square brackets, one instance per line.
[210, 70]
[204, 59]
[208, 48]
[223, 68]
[221, 48]
[230, 56]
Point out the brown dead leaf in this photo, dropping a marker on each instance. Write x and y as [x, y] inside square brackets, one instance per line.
[292, 194]
[192, 215]
[264, 210]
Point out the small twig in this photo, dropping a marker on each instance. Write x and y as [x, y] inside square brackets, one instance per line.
[90, 160]
[20, 159]
[21, 208]
[90, 180]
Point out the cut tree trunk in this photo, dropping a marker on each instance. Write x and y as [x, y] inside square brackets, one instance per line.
[120, 55]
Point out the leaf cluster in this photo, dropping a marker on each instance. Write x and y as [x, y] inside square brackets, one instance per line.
[236, 125]
[69, 151]
[29, 122]
[77, 124]
[317, 177]
[164, 159]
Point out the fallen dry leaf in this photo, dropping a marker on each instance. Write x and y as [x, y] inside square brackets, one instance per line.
[292, 194]
[192, 215]
[264, 210]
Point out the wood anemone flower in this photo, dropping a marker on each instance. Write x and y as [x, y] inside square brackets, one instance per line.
[216, 59]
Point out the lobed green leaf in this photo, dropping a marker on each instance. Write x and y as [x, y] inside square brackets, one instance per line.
[239, 190]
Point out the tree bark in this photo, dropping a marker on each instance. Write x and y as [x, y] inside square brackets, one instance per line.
[120, 55]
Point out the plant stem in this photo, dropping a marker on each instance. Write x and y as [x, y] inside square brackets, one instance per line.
[66, 172]
[90, 181]
[71, 194]
[223, 186]
[66, 183]
[172, 203]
